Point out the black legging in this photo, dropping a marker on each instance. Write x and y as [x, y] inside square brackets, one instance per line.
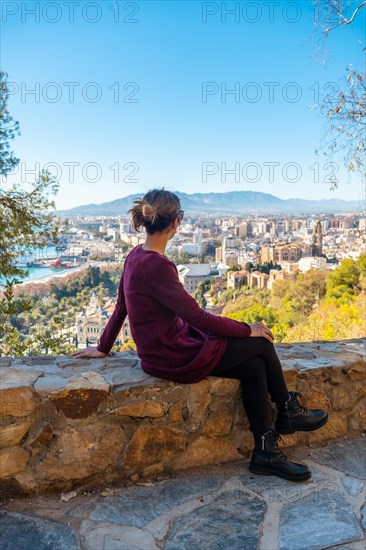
[254, 361]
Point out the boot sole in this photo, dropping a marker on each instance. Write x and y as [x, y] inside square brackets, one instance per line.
[269, 471]
[312, 429]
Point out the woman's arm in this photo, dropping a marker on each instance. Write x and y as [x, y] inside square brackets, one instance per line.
[166, 287]
[115, 323]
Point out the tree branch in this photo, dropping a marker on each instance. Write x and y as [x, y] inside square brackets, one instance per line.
[344, 20]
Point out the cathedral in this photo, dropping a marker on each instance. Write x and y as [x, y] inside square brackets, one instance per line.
[316, 247]
[90, 323]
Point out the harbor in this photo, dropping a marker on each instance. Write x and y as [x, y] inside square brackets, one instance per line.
[51, 261]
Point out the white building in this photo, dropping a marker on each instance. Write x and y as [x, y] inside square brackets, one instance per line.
[312, 262]
[124, 227]
[194, 248]
[190, 275]
[114, 233]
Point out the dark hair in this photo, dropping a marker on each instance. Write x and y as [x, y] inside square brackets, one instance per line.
[156, 210]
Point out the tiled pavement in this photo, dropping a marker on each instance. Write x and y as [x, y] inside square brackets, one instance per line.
[218, 507]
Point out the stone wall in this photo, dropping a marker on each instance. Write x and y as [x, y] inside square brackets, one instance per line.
[68, 423]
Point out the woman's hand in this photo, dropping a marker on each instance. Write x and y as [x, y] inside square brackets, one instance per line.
[89, 352]
[259, 329]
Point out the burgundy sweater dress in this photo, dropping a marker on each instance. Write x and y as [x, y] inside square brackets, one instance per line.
[175, 338]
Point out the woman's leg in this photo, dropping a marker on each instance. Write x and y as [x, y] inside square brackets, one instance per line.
[254, 392]
[239, 353]
[254, 361]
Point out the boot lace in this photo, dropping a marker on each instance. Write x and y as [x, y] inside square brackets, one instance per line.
[299, 407]
[276, 438]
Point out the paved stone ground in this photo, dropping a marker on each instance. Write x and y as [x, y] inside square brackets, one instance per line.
[218, 507]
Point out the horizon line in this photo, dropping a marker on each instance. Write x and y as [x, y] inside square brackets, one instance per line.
[213, 193]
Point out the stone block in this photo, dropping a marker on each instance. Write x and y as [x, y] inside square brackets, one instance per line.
[48, 384]
[150, 445]
[289, 440]
[78, 403]
[242, 438]
[206, 450]
[320, 522]
[17, 402]
[18, 378]
[175, 412]
[303, 384]
[13, 460]
[109, 536]
[224, 386]
[357, 416]
[358, 371]
[141, 409]
[290, 377]
[153, 469]
[315, 399]
[29, 532]
[230, 521]
[343, 396]
[13, 434]
[124, 507]
[299, 352]
[83, 450]
[219, 423]
[335, 427]
[42, 437]
[198, 398]
[81, 396]
[126, 377]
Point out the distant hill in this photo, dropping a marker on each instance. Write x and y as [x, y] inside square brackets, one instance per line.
[231, 202]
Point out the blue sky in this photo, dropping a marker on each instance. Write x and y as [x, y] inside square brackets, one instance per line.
[163, 129]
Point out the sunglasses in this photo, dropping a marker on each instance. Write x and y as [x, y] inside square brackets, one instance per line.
[181, 215]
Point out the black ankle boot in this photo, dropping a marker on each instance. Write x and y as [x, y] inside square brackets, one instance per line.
[293, 417]
[267, 459]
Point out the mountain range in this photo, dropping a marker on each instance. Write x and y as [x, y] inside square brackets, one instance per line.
[230, 202]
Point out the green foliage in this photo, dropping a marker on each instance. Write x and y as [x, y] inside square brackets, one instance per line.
[332, 321]
[315, 305]
[278, 292]
[46, 325]
[235, 267]
[9, 129]
[343, 281]
[305, 293]
[361, 264]
[245, 299]
[266, 267]
[256, 313]
[26, 219]
[226, 296]
[202, 288]
[182, 258]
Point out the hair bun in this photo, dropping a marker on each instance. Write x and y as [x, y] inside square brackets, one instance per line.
[148, 211]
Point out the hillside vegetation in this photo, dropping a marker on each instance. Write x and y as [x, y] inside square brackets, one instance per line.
[314, 306]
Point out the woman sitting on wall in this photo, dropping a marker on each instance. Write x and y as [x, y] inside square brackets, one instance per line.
[178, 340]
